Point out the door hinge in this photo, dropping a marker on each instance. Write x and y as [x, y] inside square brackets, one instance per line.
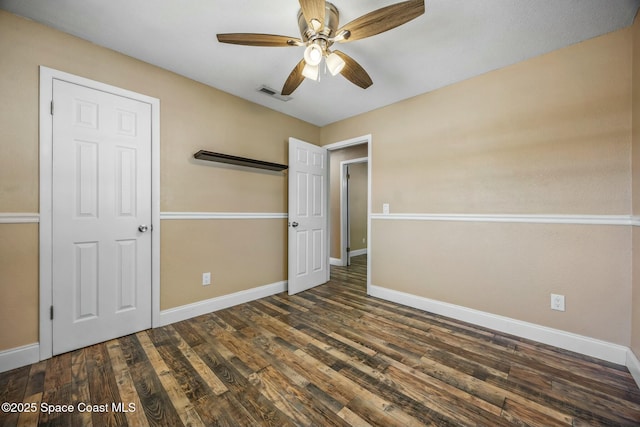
[348, 250]
[348, 175]
[52, 108]
[51, 312]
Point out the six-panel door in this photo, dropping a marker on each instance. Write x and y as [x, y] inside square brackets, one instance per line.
[101, 197]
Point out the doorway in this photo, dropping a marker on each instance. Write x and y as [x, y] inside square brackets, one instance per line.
[353, 209]
[358, 148]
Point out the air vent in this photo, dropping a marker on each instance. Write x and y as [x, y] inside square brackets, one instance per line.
[273, 93]
[268, 91]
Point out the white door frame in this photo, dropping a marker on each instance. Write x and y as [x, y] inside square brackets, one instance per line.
[344, 211]
[365, 139]
[47, 75]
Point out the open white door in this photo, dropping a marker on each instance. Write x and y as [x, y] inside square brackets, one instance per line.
[308, 216]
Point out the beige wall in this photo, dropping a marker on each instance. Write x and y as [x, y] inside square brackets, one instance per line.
[235, 263]
[193, 117]
[635, 158]
[335, 157]
[551, 135]
[18, 285]
[548, 135]
[511, 270]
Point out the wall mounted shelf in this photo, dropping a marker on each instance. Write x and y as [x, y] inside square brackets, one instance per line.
[239, 161]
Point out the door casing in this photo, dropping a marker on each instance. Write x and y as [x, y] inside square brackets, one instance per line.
[47, 76]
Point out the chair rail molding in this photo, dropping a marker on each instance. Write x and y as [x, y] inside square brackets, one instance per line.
[223, 215]
[19, 217]
[521, 218]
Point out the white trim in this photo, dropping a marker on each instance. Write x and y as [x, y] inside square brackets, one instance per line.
[569, 341]
[199, 308]
[533, 219]
[19, 356]
[45, 243]
[358, 252]
[349, 142]
[369, 210]
[340, 263]
[635, 220]
[633, 364]
[222, 215]
[47, 75]
[19, 218]
[155, 210]
[336, 261]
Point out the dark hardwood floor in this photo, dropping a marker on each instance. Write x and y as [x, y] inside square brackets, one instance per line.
[331, 356]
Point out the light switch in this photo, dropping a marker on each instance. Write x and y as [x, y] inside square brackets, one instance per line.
[385, 208]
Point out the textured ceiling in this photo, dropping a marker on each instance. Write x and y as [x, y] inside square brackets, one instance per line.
[453, 41]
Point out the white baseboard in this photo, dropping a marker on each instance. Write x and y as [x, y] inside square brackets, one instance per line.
[358, 252]
[633, 364]
[19, 357]
[338, 261]
[199, 308]
[569, 341]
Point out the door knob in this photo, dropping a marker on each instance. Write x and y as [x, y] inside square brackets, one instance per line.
[294, 224]
[143, 228]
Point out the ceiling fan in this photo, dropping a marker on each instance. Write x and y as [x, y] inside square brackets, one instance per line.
[318, 23]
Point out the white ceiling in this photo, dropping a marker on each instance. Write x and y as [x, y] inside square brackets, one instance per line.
[454, 40]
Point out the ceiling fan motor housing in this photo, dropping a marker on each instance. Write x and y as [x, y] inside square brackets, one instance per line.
[331, 21]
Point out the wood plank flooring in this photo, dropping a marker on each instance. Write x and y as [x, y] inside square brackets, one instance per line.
[331, 356]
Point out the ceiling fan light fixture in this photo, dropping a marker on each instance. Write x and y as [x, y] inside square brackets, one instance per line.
[313, 54]
[335, 64]
[310, 71]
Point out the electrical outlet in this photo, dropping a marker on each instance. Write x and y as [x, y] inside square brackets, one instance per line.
[385, 208]
[206, 279]
[557, 302]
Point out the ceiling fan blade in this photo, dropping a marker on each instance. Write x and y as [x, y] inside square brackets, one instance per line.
[380, 20]
[249, 39]
[294, 79]
[353, 71]
[313, 11]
